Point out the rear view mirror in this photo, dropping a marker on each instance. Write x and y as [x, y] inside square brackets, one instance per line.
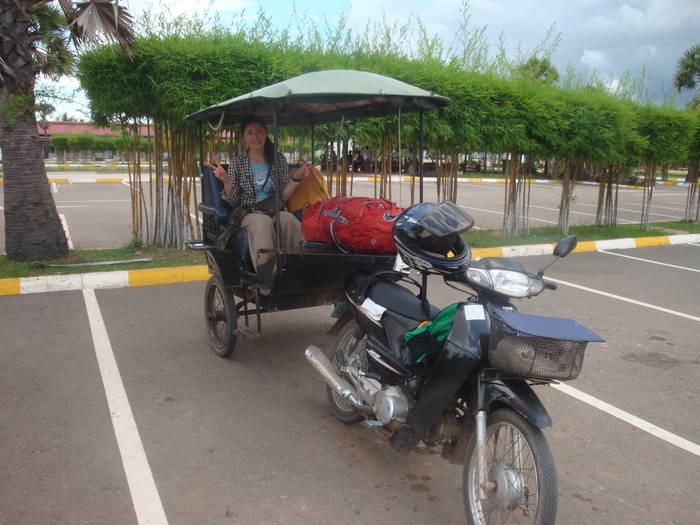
[565, 246]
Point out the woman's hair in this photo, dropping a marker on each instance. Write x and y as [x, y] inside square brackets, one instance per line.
[269, 149]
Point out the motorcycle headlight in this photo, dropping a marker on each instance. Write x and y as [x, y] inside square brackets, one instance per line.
[506, 282]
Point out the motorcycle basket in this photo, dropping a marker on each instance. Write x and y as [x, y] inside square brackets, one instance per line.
[528, 346]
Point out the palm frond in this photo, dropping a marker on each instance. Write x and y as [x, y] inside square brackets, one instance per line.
[95, 21]
[687, 74]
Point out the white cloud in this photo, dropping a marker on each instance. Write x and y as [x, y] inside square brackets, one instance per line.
[593, 58]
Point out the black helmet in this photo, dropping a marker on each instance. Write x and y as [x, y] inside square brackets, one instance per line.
[427, 236]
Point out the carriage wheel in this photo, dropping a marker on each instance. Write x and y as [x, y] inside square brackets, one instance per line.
[220, 316]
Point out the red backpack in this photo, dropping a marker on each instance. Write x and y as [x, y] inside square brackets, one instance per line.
[357, 224]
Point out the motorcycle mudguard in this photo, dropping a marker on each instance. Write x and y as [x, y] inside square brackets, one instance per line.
[515, 393]
[461, 354]
[344, 315]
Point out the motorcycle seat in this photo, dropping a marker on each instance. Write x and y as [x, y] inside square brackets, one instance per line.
[394, 297]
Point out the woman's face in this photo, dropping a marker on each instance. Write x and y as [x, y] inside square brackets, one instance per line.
[254, 136]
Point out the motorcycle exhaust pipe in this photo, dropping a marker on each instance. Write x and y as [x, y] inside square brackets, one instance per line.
[324, 367]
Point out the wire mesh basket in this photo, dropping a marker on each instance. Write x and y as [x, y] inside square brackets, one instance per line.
[534, 357]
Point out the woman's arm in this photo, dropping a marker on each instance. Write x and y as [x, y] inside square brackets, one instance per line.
[295, 179]
[220, 173]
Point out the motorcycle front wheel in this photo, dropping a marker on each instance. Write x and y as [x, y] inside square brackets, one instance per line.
[353, 351]
[520, 464]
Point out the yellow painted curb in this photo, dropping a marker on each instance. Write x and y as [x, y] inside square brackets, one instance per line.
[480, 253]
[109, 180]
[9, 287]
[167, 275]
[584, 246]
[644, 242]
[195, 273]
[58, 181]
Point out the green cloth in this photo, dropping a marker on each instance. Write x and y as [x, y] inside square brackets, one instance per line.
[439, 327]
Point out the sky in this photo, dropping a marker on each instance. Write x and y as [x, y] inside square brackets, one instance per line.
[639, 38]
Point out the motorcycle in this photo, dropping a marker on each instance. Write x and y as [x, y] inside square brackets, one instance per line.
[456, 381]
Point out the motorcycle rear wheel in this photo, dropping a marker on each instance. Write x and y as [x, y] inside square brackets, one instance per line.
[339, 405]
[520, 462]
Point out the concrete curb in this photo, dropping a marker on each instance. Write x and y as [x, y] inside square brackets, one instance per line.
[183, 274]
[103, 280]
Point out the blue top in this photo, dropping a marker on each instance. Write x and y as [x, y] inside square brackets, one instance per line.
[260, 170]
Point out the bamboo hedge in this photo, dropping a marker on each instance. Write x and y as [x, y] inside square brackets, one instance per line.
[583, 131]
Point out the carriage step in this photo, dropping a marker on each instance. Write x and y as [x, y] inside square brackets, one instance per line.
[250, 278]
[197, 245]
[244, 333]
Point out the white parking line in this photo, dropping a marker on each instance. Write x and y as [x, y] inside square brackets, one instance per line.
[649, 261]
[471, 208]
[616, 412]
[632, 420]
[65, 229]
[144, 493]
[626, 299]
[92, 201]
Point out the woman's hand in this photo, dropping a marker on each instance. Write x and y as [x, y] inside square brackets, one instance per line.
[219, 172]
[303, 170]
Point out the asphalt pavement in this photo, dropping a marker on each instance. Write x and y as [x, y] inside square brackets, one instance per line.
[113, 410]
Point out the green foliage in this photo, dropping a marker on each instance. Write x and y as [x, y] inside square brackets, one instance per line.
[82, 142]
[687, 75]
[668, 134]
[59, 142]
[500, 105]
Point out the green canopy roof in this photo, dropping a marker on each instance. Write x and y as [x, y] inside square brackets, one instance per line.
[324, 96]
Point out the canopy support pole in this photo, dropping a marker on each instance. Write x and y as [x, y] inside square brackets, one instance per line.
[278, 232]
[313, 143]
[420, 156]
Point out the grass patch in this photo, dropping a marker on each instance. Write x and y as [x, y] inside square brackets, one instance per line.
[168, 257]
[550, 234]
[163, 258]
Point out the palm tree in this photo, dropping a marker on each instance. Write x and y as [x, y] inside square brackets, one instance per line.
[688, 72]
[34, 40]
[688, 78]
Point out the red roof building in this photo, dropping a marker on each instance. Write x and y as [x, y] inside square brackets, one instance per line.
[79, 128]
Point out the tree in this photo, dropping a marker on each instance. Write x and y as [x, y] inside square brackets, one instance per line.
[687, 75]
[688, 78]
[35, 39]
[43, 110]
[668, 135]
[539, 70]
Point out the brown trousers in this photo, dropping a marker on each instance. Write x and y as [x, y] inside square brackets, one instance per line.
[261, 233]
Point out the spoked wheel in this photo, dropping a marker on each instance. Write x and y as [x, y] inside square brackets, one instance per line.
[520, 464]
[344, 342]
[220, 316]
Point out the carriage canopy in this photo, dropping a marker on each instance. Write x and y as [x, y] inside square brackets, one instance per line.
[321, 97]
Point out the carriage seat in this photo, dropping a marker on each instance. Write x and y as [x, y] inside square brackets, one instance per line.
[215, 211]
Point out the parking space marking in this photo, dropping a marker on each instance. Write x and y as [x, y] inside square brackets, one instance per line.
[64, 222]
[577, 213]
[144, 493]
[92, 201]
[650, 428]
[471, 208]
[649, 261]
[626, 299]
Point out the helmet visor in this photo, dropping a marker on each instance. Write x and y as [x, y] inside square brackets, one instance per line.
[444, 220]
